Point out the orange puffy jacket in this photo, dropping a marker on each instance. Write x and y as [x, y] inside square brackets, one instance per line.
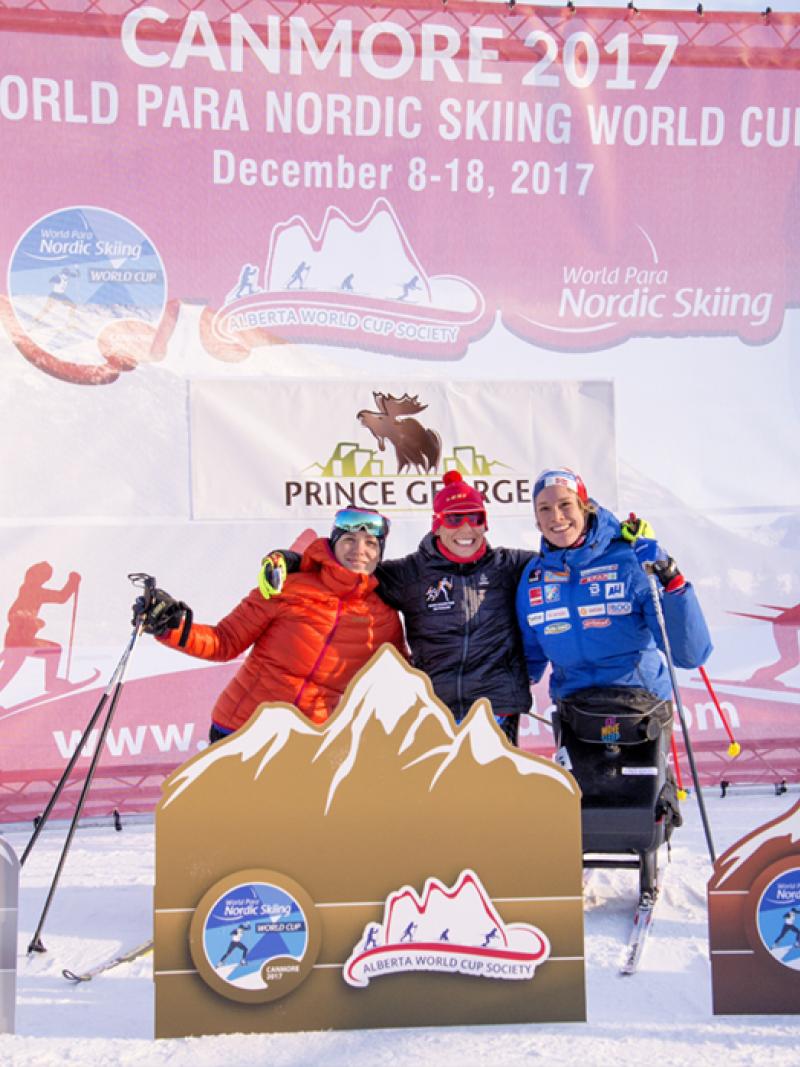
[307, 643]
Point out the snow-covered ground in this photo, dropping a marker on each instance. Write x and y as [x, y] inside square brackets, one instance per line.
[660, 1015]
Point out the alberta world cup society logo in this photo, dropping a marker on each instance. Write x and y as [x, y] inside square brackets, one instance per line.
[453, 930]
[254, 936]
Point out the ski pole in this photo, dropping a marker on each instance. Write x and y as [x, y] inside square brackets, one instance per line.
[682, 794]
[72, 632]
[36, 941]
[148, 584]
[734, 748]
[42, 820]
[651, 578]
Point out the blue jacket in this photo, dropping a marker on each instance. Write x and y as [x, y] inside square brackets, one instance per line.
[589, 612]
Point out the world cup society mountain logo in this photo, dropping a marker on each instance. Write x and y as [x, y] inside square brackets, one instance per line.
[354, 282]
[87, 291]
[454, 930]
[254, 936]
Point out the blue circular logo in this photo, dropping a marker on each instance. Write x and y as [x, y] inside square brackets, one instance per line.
[82, 278]
[254, 936]
[778, 918]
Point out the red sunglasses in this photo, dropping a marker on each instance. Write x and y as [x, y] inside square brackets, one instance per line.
[456, 519]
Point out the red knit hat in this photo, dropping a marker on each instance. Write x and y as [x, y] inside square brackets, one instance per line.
[456, 498]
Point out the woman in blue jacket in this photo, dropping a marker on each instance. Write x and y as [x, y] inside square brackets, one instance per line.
[585, 606]
[584, 603]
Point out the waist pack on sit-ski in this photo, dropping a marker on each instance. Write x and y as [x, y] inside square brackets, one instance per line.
[615, 715]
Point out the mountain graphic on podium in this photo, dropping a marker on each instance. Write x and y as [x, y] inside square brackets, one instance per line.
[389, 765]
[422, 846]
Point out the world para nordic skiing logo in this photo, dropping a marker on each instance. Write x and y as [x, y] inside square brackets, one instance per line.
[254, 936]
[453, 930]
[778, 918]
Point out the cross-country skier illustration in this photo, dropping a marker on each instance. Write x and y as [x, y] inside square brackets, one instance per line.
[236, 942]
[372, 939]
[491, 936]
[445, 934]
[408, 933]
[409, 287]
[347, 284]
[59, 283]
[248, 282]
[789, 927]
[299, 275]
[24, 624]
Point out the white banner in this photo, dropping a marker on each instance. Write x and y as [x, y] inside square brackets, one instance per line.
[272, 450]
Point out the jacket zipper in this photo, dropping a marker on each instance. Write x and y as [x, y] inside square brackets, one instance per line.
[322, 652]
[464, 651]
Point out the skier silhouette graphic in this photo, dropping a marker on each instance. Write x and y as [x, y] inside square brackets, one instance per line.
[248, 282]
[372, 940]
[408, 933]
[347, 284]
[236, 942]
[789, 926]
[786, 634]
[489, 937]
[445, 934]
[299, 275]
[59, 283]
[21, 641]
[411, 286]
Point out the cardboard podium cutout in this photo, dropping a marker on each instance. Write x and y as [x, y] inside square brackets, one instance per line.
[754, 921]
[385, 869]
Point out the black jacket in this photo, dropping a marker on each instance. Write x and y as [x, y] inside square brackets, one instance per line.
[461, 624]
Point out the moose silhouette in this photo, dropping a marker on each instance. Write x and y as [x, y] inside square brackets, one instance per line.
[414, 445]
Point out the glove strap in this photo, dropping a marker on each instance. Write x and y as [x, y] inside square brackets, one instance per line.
[187, 625]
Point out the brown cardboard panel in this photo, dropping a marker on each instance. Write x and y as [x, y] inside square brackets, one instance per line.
[755, 951]
[378, 813]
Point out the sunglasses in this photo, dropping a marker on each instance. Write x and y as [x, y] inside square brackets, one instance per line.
[456, 519]
[351, 520]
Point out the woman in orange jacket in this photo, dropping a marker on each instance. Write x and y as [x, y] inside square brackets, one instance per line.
[306, 645]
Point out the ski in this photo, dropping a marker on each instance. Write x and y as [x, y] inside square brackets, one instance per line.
[108, 964]
[640, 930]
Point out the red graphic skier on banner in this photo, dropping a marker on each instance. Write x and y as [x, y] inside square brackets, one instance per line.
[24, 623]
[786, 632]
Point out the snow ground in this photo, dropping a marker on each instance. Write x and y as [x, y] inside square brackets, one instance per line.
[661, 1015]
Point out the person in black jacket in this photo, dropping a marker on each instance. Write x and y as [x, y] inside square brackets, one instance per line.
[457, 594]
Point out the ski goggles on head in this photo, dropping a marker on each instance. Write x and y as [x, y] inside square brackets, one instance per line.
[457, 518]
[353, 520]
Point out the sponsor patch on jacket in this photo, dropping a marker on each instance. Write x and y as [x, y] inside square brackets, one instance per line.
[535, 596]
[556, 576]
[535, 618]
[439, 596]
[557, 627]
[624, 607]
[595, 574]
[535, 575]
[599, 576]
[615, 590]
[552, 593]
[587, 610]
[594, 589]
[595, 624]
[556, 613]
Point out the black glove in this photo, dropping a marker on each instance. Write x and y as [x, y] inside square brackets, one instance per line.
[161, 614]
[666, 570]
